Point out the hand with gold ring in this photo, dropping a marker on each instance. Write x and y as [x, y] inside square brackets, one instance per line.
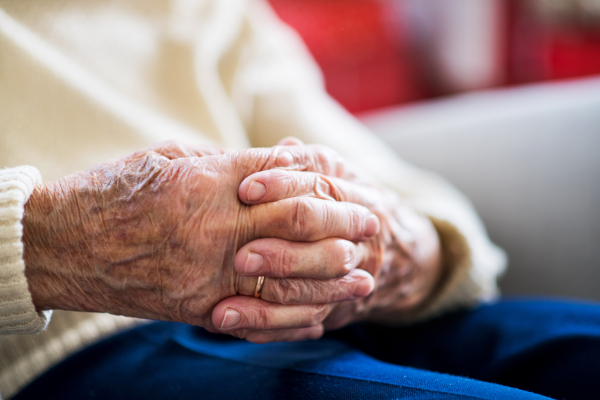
[162, 234]
[404, 257]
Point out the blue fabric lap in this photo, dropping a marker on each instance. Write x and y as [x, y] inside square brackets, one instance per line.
[522, 344]
[175, 361]
[543, 346]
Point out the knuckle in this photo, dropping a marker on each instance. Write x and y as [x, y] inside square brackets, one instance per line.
[259, 318]
[170, 143]
[319, 313]
[240, 334]
[304, 211]
[285, 262]
[298, 222]
[328, 218]
[357, 220]
[316, 333]
[168, 148]
[324, 188]
[288, 291]
[254, 159]
[344, 252]
[281, 157]
[325, 159]
[258, 338]
[166, 144]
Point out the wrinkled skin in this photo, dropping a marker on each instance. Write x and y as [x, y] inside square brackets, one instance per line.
[406, 273]
[404, 257]
[155, 235]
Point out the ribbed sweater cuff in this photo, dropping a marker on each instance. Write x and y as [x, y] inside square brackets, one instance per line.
[17, 312]
[470, 272]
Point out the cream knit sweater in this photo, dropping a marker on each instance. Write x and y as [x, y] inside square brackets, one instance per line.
[86, 81]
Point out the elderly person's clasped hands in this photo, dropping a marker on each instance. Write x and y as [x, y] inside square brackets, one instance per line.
[187, 233]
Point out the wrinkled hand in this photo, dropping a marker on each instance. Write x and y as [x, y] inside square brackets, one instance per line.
[404, 257]
[155, 235]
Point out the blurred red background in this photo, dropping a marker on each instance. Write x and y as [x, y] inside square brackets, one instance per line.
[377, 53]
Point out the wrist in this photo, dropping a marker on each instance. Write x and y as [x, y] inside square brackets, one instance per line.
[48, 259]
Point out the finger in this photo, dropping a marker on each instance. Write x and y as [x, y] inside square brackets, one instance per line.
[355, 284]
[277, 184]
[290, 141]
[314, 158]
[173, 149]
[358, 283]
[307, 219]
[324, 259]
[342, 314]
[280, 335]
[244, 312]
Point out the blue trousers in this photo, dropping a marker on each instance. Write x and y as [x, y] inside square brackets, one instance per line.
[515, 349]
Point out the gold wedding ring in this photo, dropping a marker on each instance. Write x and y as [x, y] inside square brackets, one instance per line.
[259, 286]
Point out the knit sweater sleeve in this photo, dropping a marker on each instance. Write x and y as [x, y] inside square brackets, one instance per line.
[17, 312]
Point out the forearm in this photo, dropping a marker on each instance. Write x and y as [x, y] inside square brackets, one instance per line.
[89, 238]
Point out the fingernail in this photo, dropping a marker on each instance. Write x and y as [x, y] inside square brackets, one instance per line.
[254, 263]
[363, 288]
[256, 191]
[231, 319]
[371, 225]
